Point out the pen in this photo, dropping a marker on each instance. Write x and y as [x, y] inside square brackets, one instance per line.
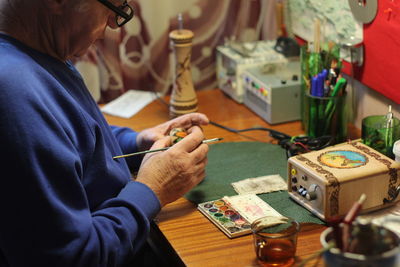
[313, 116]
[314, 86]
[389, 130]
[320, 84]
[320, 104]
[324, 89]
[162, 149]
[338, 86]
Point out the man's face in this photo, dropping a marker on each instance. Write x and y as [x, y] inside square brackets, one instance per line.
[90, 20]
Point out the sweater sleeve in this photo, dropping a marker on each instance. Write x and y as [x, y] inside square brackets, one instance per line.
[126, 138]
[59, 206]
[46, 214]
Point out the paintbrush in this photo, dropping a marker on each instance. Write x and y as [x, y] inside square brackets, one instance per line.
[348, 220]
[162, 149]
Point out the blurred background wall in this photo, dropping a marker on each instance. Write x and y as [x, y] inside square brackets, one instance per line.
[138, 55]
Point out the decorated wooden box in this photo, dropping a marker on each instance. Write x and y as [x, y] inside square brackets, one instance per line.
[327, 182]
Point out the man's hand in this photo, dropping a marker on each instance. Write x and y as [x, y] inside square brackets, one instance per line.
[172, 173]
[146, 138]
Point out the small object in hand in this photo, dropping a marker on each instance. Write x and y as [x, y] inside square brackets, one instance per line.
[177, 134]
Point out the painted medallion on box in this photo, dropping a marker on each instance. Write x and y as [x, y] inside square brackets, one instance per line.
[343, 159]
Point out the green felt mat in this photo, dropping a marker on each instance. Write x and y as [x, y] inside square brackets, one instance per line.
[232, 162]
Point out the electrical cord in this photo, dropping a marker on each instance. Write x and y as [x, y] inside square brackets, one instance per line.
[293, 145]
[273, 133]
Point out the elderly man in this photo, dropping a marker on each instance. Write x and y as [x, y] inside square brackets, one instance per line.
[64, 200]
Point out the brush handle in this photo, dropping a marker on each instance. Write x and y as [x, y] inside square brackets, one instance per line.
[161, 149]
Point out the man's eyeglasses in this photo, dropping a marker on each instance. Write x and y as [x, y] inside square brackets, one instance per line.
[123, 13]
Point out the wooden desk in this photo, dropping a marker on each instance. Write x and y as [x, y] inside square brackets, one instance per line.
[194, 238]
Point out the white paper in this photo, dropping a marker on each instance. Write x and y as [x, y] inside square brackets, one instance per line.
[260, 185]
[129, 103]
[251, 207]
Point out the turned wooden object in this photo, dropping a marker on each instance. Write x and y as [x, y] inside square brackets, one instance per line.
[183, 97]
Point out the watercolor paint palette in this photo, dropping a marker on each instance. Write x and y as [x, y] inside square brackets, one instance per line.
[227, 219]
[234, 215]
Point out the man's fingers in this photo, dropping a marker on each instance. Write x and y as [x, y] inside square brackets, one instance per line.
[163, 142]
[200, 153]
[200, 175]
[189, 120]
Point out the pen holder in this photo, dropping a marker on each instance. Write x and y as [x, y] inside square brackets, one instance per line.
[325, 116]
[376, 133]
[312, 64]
[378, 247]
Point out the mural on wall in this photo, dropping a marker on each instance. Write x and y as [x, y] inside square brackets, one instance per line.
[338, 22]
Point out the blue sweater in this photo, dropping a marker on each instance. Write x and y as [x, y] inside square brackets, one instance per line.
[63, 200]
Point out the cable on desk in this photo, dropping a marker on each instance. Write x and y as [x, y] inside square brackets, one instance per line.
[273, 133]
[293, 145]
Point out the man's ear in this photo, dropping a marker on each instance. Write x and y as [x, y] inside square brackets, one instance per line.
[56, 6]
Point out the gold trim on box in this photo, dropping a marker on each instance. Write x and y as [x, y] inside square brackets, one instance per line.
[392, 187]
